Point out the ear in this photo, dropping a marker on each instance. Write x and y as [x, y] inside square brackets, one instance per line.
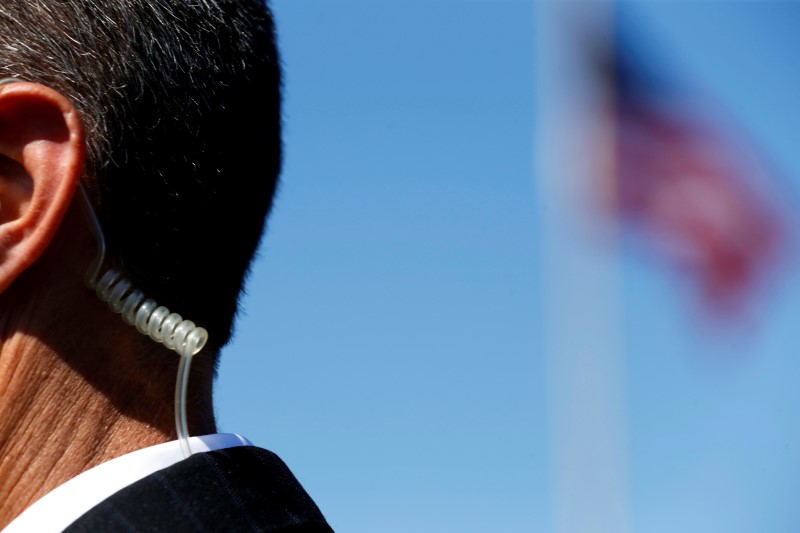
[41, 162]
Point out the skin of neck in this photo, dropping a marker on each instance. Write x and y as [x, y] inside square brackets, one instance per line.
[78, 386]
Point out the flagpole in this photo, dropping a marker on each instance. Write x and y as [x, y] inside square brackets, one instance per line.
[581, 283]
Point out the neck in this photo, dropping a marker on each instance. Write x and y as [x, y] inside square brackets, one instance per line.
[48, 436]
[70, 400]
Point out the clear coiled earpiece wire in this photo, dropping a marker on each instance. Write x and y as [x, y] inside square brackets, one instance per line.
[155, 321]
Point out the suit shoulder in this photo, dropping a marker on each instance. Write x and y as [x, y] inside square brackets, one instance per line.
[235, 489]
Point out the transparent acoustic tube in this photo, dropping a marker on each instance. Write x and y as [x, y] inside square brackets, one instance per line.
[182, 336]
[155, 321]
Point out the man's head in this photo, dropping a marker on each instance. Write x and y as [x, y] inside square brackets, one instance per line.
[180, 104]
[168, 113]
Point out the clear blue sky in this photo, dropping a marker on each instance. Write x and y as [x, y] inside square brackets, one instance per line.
[390, 349]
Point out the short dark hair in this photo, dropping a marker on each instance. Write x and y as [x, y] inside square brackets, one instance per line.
[181, 101]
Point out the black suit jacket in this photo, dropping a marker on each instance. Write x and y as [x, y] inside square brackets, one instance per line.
[236, 489]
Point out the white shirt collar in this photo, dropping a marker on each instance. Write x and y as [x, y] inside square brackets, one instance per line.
[66, 503]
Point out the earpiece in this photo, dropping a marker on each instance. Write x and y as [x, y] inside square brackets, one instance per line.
[155, 321]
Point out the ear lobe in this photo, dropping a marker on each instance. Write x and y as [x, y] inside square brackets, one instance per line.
[41, 162]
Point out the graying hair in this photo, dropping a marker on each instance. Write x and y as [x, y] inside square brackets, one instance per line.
[180, 100]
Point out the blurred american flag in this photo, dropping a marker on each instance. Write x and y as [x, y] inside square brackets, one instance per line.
[694, 190]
